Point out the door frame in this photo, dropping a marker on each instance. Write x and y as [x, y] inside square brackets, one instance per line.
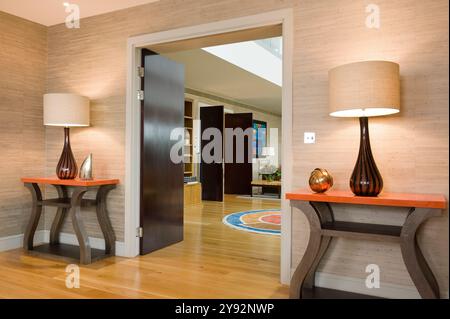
[132, 148]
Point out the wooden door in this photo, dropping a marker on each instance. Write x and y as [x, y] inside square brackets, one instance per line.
[238, 176]
[161, 179]
[211, 174]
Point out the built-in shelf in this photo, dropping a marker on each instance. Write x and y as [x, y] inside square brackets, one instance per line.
[192, 193]
[188, 150]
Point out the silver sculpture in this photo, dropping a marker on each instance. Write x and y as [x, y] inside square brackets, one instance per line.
[86, 168]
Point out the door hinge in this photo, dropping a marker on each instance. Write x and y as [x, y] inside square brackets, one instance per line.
[140, 95]
[140, 71]
[140, 232]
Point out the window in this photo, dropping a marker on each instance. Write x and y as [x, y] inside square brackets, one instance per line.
[259, 137]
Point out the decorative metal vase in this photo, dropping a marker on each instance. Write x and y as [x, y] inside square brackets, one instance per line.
[320, 180]
[86, 168]
[67, 166]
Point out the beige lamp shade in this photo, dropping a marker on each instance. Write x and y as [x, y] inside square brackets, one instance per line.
[363, 89]
[68, 110]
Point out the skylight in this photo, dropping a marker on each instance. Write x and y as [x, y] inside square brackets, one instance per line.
[262, 57]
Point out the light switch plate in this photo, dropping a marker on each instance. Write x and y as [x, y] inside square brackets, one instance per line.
[310, 138]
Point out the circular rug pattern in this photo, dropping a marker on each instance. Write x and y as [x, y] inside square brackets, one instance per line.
[267, 221]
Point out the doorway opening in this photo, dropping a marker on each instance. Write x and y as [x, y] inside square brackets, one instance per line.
[253, 28]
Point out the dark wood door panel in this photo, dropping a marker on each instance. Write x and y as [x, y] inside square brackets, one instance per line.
[161, 179]
[211, 174]
[238, 176]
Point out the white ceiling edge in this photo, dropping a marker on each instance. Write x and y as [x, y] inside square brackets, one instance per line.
[251, 57]
[52, 12]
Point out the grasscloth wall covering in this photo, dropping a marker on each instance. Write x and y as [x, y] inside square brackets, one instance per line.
[411, 149]
[23, 63]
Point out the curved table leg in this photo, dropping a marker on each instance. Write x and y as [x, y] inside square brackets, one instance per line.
[311, 276]
[326, 214]
[103, 219]
[59, 217]
[36, 210]
[323, 211]
[78, 225]
[311, 253]
[416, 264]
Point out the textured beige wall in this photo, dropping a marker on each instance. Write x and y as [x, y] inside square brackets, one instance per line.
[411, 148]
[23, 60]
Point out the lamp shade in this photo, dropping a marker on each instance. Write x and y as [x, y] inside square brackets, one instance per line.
[363, 89]
[68, 110]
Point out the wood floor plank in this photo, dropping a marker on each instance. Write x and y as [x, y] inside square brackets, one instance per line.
[213, 261]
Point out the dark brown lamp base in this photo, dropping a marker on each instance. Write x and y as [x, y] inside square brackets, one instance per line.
[67, 167]
[366, 179]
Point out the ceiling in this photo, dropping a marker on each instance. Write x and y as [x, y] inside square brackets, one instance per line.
[209, 74]
[51, 12]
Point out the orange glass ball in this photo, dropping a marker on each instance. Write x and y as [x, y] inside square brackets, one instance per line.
[320, 180]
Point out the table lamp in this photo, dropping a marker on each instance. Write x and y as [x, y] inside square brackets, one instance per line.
[365, 89]
[66, 110]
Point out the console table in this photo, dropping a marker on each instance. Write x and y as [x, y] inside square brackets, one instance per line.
[267, 184]
[323, 227]
[70, 205]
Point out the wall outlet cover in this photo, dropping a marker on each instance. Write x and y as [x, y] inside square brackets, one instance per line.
[310, 138]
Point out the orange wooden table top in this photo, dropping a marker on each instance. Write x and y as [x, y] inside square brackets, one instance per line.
[384, 199]
[69, 182]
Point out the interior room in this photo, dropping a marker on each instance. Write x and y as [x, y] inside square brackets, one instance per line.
[197, 149]
[220, 75]
[232, 84]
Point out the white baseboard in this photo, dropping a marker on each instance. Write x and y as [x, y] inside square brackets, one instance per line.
[16, 241]
[43, 236]
[11, 242]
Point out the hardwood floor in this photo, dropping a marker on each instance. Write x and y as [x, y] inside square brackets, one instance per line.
[213, 261]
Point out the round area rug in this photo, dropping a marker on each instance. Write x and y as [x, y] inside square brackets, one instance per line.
[267, 221]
